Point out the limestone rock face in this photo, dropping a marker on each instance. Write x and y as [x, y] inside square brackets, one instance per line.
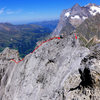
[57, 70]
[6, 67]
[5, 58]
[88, 88]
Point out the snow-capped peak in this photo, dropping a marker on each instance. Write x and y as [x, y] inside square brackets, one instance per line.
[94, 10]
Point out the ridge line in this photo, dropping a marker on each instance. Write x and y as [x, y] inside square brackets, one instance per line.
[36, 48]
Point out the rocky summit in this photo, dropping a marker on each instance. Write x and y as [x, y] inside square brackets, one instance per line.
[60, 69]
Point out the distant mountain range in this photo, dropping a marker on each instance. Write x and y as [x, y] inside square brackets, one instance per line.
[22, 37]
[71, 18]
[48, 24]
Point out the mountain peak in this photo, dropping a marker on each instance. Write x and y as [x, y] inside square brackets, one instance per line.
[76, 5]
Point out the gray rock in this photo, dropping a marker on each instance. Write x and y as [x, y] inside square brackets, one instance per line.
[42, 75]
[6, 67]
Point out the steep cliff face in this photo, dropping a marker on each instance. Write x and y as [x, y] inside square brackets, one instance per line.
[89, 31]
[63, 23]
[90, 27]
[71, 18]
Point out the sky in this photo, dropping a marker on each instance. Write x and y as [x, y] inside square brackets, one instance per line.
[25, 11]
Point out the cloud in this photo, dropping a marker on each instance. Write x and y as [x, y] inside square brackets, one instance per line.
[2, 10]
[10, 12]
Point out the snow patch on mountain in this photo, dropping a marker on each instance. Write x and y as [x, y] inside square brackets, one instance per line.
[67, 14]
[75, 17]
[84, 17]
[94, 10]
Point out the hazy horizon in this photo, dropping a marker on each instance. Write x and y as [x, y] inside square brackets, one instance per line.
[29, 22]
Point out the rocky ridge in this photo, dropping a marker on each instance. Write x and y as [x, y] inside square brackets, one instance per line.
[55, 72]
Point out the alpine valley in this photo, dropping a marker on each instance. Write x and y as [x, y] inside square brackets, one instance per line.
[24, 37]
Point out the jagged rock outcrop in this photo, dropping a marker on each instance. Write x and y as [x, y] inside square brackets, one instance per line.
[89, 85]
[5, 57]
[6, 67]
